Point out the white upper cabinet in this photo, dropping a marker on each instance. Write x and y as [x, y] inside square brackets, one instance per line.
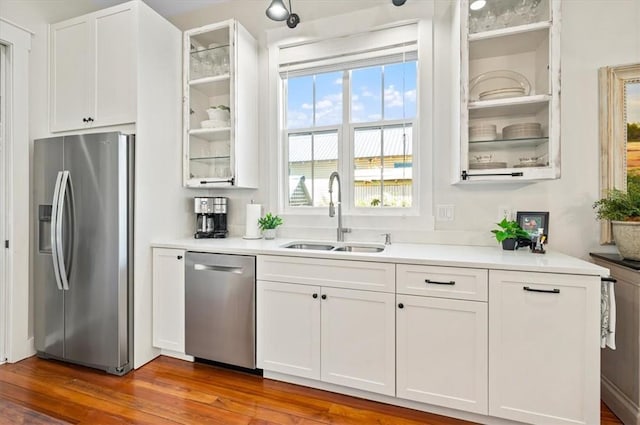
[93, 69]
[220, 107]
[509, 91]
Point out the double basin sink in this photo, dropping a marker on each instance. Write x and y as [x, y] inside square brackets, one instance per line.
[337, 247]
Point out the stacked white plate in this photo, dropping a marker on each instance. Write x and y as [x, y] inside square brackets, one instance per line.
[528, 130]
[482, 133]
[501, 93]
[214, 124]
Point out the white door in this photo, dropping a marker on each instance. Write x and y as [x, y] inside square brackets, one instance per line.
[358, 339]
[115, 66]
[288, 328]
[442, 352]
[168, 299]
[71, 73]
[544, 331]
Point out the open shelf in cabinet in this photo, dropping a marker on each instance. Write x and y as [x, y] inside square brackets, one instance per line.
[491, 145]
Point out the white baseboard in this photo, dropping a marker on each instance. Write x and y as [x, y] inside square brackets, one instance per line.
[176, 355]
[621, 405]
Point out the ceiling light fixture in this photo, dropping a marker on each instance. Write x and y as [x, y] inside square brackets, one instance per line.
[477, 4]
[398, 2]
[277, 11]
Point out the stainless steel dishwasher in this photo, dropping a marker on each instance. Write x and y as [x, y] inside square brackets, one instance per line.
[220, 323]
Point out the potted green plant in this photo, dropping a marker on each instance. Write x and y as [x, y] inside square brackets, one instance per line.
[509, 234]
[623, 210]
[268, 225]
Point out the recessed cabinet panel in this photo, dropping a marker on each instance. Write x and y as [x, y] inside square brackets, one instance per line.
[220, 121]
[510, 92]
[168, 299]
[115, 64]
[71, 73]
[442, 352]
[544, 331]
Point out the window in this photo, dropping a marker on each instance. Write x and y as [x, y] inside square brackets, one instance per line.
[356, 117]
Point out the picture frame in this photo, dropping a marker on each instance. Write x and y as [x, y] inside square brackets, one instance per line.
[531, 221]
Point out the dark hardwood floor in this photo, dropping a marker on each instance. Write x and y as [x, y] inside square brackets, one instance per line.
[169, 391]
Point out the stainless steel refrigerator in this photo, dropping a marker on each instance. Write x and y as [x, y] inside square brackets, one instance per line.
[83, 252]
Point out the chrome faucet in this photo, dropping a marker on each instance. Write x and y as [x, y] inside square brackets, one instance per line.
[332, 210]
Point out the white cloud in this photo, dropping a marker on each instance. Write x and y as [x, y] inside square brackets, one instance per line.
[393, 97]
[307, 106]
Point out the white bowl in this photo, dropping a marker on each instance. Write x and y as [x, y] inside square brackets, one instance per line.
[218, 114]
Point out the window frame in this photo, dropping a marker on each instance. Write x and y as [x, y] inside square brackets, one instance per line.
[346, 154]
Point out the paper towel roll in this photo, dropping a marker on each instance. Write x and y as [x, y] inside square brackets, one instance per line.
[254, 212]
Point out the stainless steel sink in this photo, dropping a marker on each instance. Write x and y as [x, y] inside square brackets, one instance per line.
[309, 245]
[338, 247]
[359, 248]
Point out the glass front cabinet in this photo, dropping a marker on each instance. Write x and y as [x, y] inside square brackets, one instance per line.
[509, 91]
[220, 111]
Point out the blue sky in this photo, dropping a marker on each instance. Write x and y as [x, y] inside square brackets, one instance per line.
[399, 94]
[633, 102]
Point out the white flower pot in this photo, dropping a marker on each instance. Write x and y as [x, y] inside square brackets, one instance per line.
[626, 235]
[269, 233]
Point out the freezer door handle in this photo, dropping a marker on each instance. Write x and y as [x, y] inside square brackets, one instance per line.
[226, 269]
[62, 269]
[54, 232]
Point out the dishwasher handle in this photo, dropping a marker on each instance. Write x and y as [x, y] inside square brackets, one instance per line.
[225, 269]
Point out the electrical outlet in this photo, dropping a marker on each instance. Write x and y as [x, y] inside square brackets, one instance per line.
[505, 212]
[445, 212]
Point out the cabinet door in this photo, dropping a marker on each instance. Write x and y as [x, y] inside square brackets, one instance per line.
[442, 352]
[114, 101]
[71, 73]
[288, 328]
[358, 339]
[168, 299]
[544, 365]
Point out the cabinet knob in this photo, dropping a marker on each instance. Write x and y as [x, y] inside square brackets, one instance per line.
[179, 257]
[85, 120]
[400, 305]
[315, 295]
[324, 296]
[89, 119]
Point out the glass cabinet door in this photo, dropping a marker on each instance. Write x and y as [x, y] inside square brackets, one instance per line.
[510, 80]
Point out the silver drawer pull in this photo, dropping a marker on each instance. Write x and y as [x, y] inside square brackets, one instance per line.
[435, 282]
[547, 291]
[226, 269]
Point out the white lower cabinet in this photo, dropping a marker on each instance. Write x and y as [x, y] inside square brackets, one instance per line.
[168, 299]
[544, 365]
[340, 336]
[442, 352]
[357, 339]
[288, 331]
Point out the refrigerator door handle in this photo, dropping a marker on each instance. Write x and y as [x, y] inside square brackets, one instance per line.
[64, 184]
[54, 226]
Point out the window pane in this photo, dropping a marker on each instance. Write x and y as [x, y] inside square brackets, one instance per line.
[398, 166]
[366, 94]
[312, 158]
[400, 91]
[367, 153]
[383, 167]
[300, 102]
[328, 98]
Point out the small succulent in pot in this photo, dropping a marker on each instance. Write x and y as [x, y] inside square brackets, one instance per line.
[511, 235]
[268, 225]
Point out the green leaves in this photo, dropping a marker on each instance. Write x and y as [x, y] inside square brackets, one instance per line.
[619, 205]
[269, 221]
[509, 229]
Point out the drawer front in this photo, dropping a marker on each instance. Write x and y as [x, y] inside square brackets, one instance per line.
[444, 282]
[361, 275]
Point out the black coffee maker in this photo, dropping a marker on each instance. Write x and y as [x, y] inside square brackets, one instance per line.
[211, 217]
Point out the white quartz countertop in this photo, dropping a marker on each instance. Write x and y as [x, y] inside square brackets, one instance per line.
[411, 253]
